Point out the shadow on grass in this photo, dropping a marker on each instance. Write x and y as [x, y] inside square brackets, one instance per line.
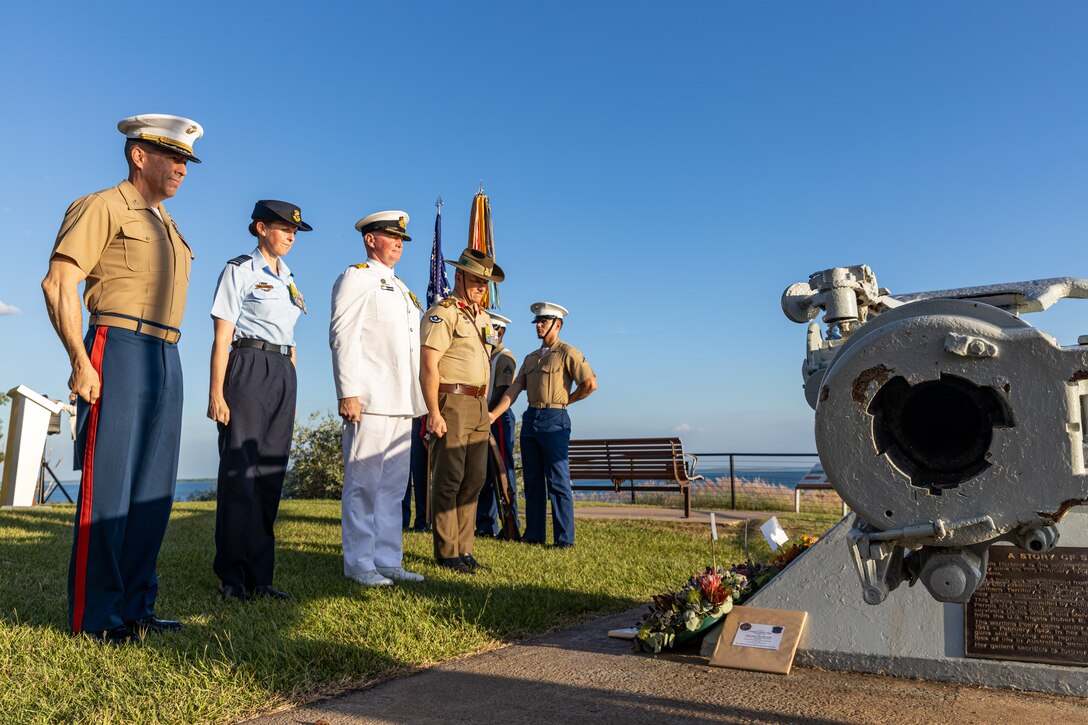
[333, 634]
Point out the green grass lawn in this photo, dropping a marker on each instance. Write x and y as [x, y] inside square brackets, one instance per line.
[235, 660]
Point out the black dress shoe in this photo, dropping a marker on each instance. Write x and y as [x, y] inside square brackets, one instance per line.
[154, 624]
[267, 590]
[472, 564]
[232, 591]
[456, 564]
[117, 635]
[563, 546]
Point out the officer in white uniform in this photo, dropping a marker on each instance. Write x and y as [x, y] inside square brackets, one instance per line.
[374, 335]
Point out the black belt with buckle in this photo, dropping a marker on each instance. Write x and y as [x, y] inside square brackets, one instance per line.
[262, 345]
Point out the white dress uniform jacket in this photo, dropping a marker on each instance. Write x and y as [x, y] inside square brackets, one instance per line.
[374, 335]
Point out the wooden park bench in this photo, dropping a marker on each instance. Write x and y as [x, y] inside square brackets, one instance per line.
[816, 480]
[636, 462]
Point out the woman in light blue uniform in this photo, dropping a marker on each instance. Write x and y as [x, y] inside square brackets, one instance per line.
[252, 398]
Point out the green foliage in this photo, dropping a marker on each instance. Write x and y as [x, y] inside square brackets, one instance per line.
[236, 660]
[317, 459]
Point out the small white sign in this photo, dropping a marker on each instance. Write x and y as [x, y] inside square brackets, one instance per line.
[774, 533]
[713, 528]
[760, 636]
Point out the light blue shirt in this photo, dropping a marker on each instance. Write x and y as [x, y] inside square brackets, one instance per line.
[257, 300]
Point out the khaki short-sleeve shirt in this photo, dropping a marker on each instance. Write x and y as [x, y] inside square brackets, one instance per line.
[548, 378]
[136, 263]
[503, 367]
[465, 342]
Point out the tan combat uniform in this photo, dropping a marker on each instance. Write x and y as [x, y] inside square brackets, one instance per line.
[459, 458]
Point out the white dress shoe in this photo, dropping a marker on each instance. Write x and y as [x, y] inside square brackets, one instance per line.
[372, 579]
[400, 574]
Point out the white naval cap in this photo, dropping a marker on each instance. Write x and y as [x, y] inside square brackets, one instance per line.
[393, 221]
[548, 309]
[173, 133]
[498, 320]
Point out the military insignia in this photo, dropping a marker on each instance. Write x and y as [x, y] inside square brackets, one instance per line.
[415, 300]
[296, 216]
[191, 129]
[447, 302]
[402, 223]
[383, 281]
[389, 288]
[263, 286]
[296, 298]
[239, 260]
[434, 318]
[361, 265]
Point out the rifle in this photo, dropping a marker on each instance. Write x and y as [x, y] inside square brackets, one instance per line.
[502, 493]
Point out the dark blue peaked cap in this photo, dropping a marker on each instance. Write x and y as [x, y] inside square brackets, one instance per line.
[270, 210]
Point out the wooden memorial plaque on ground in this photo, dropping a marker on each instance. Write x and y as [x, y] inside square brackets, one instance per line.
[762, 640]
[1032, 607]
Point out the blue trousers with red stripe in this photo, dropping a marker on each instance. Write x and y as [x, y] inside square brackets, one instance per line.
[127, 446]
[487, 510]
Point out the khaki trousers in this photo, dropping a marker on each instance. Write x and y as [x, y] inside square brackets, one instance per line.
[458, 472]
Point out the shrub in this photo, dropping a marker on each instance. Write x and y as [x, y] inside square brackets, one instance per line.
[317, 460]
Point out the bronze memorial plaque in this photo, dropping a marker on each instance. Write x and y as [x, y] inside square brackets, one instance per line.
[1031, 608]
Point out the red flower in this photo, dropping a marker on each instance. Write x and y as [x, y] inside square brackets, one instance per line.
[710, 585]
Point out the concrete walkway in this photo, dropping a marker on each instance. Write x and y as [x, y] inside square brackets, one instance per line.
[580, 675]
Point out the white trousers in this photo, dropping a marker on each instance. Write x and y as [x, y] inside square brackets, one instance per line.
[377, 454]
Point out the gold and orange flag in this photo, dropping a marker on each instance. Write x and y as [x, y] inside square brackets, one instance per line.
[481, 236]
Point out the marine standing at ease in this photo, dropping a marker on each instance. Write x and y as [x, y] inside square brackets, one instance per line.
[251, 395]
[503, 368]
[547, 375]
[126, 373]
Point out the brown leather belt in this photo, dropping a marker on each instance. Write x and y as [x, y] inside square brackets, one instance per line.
[539, 406]
[141, 327]
[476, 391]
[261, 345]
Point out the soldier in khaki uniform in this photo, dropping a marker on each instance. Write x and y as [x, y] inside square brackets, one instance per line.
[126, 373]
[547, 375]
[455, 362]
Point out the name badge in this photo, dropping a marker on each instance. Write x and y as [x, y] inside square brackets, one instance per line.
[387, 288]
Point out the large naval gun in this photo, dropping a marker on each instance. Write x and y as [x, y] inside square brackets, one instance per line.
[945, 421]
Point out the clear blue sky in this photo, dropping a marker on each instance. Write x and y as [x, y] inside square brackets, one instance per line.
[662, 171]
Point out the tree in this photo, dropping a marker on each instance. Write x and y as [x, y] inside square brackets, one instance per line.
[317, 459]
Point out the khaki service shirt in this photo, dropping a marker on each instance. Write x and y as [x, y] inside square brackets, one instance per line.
[548, 379]
[136, 264]
[503, 367]
[465, 343]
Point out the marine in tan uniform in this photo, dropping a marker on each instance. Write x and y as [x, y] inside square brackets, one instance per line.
[489, 521]
[547, 375]
[455, 362]
[126, 373]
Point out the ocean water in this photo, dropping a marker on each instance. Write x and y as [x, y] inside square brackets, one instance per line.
[184, 490]
[188, 488]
